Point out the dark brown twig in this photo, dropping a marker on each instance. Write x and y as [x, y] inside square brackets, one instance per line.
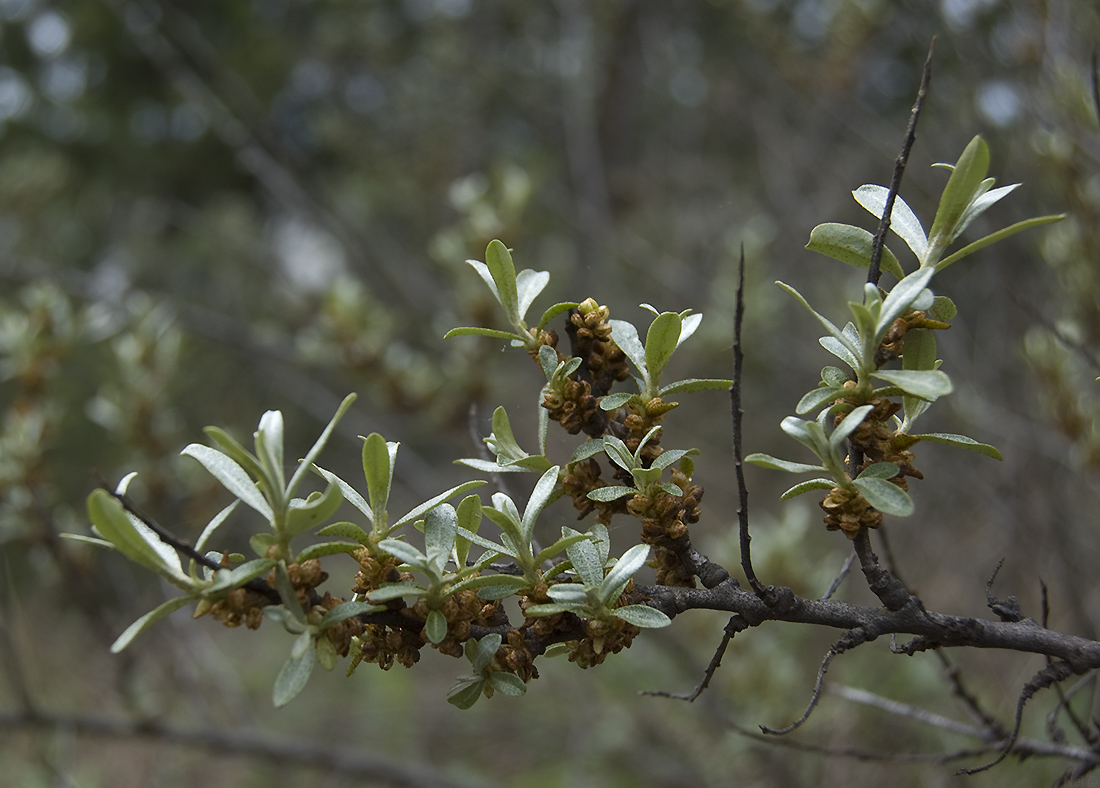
[738, 417]
[185, 549]
[873, 272]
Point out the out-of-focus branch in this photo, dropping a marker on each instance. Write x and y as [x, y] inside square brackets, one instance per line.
[337, 760]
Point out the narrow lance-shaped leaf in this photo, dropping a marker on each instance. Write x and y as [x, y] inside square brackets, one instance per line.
[231, 475]
[966, 177]
[902, 219]
[852, 246]
[295, 672]
[499, 262]
[660, 342]
[146, 621]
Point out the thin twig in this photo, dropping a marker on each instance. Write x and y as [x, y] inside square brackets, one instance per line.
[184, 548]
[850, 640]
[736, 624]
[1046, 677]
[873, 272]
[738, 418]
[840, 578]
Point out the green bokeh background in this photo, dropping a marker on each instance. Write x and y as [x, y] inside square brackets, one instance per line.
[211, 209]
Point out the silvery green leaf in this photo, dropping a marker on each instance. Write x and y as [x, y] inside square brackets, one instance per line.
[774, 463]
[146, 621]
[321, 549]
[848, 425]
[492, 466]
[304, 515]
[571, 593]
[610, 493]
[852, 246]
[800, 430]
[472, 331]
[349, 530]
[231, 475]
[690, 385]
[983, 202]
[481, 541]
[404, 552]
[902, 219]
[928, 384]
[486, 276]
[807, 486]
[528, 285]
[814, 399]
[886, 497]
[672, 455]
[440, 531]
[351, 495]
[966, 178]
[632, 560]
[1000, 235]
[618, 453]
[346, 610]
[642, 616]
[841, 351]
[498, 259]
[235, 450]
[295, 672]
[585, 557]
[269, 446]
[660, 342]
[612, 401]
[688, 327]
[133, 538]
[562, 544]
[484, 652]
[602, 539]
[900, 300]
[239, 575]
[388, 591]
[379, 457]
[554, 311]
[124, 483]
[553, 608]
[465, 692]
[626, 337]
[541, 496]
[436, 626]
[853, 347]
[589, 448]
[960, 441]
[879, 470]
[548, 360]
[507, 683]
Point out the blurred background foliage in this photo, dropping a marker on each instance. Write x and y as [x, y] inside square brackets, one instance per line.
[209, 209]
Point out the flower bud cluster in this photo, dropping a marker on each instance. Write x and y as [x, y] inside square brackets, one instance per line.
[876, 438]
[665, 518]
[848, 511]
[461, 611]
